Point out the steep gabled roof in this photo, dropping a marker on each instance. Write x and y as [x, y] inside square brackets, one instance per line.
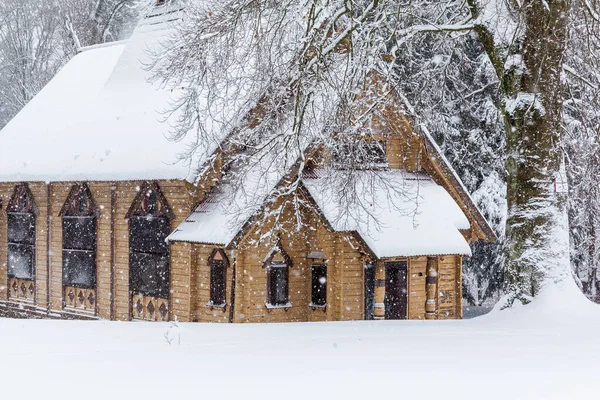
[400, 213]
[446, 173]
[229, 208]
[100, 118]
[439, 233]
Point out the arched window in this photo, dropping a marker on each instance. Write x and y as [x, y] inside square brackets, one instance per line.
[218, 264]
[21, 212]
[79, 225]
[149, 225]
[277, 264]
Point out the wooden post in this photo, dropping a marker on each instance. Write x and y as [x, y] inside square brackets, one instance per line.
[113, 251]
[459, 292]
[48, 245]
[379, 291]
[431, 287]
[232, 289]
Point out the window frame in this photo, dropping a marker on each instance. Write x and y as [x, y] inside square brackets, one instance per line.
[277, 260]
[80, 206]
[150, 204]
[218, 284]
[278, 273]
[318, 289]
[161, 290]
[69, 254]
[22, 203]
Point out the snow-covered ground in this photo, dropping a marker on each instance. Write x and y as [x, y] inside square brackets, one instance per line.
[548, 350]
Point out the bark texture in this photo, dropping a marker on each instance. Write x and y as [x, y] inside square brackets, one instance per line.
[533, 116]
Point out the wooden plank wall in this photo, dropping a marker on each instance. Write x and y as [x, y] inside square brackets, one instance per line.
[179, 196]
[351, 265]
[449, 305]
[447, 294]
[345, 270]
[254, 282]
[202, 312]
[190, 274]
[101, 192]
[321, 239]
[6, 190]
[403, 149]
[40, 195]
[58, 194]
[125, 193]
[417, 274]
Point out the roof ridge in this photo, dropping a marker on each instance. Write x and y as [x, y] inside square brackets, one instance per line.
[102, 45]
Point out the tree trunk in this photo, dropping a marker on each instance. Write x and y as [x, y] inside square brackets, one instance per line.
[533, 117]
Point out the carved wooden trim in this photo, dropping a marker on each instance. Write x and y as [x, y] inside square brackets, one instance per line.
[22, 192]
[21, 290]
[68, 208]
[218, 255]
[148, 308]
[79, 299]
[136, 209]
[277, 249]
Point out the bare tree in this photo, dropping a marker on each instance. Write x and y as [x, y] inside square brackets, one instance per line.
[37, 37]
[30, 52]
[100, 21]
[581, 142]
[306, 61]
[312, 57]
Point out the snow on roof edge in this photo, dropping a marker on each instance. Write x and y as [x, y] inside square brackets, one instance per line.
[102, 45]
[427, 134]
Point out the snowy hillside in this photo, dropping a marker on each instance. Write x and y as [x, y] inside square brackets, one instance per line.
[547, 351]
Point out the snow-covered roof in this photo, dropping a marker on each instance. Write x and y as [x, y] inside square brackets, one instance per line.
[401, 214]
[211, 221]
[449, 169]
[405, 215]
[99, 118]
[230, 204]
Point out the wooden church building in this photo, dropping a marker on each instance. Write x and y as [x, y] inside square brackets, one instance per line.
[99, 218]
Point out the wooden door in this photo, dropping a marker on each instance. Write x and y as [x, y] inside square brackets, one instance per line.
[395, 290]
[369, 290]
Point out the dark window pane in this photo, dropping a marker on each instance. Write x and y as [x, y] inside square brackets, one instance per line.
[149, 274]
[319, 284]
[217, 283]
[21, 228]
[148, 234]
[20, 261]
[79, 233]
[282, 286]
[79, 268]
[369, 291]
[277, 284]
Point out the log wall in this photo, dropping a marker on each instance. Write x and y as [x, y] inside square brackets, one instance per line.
[202, 310]
[345, 274]
[111, 298]
[190, 273]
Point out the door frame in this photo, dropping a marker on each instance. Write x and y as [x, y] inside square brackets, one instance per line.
[402, 267]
